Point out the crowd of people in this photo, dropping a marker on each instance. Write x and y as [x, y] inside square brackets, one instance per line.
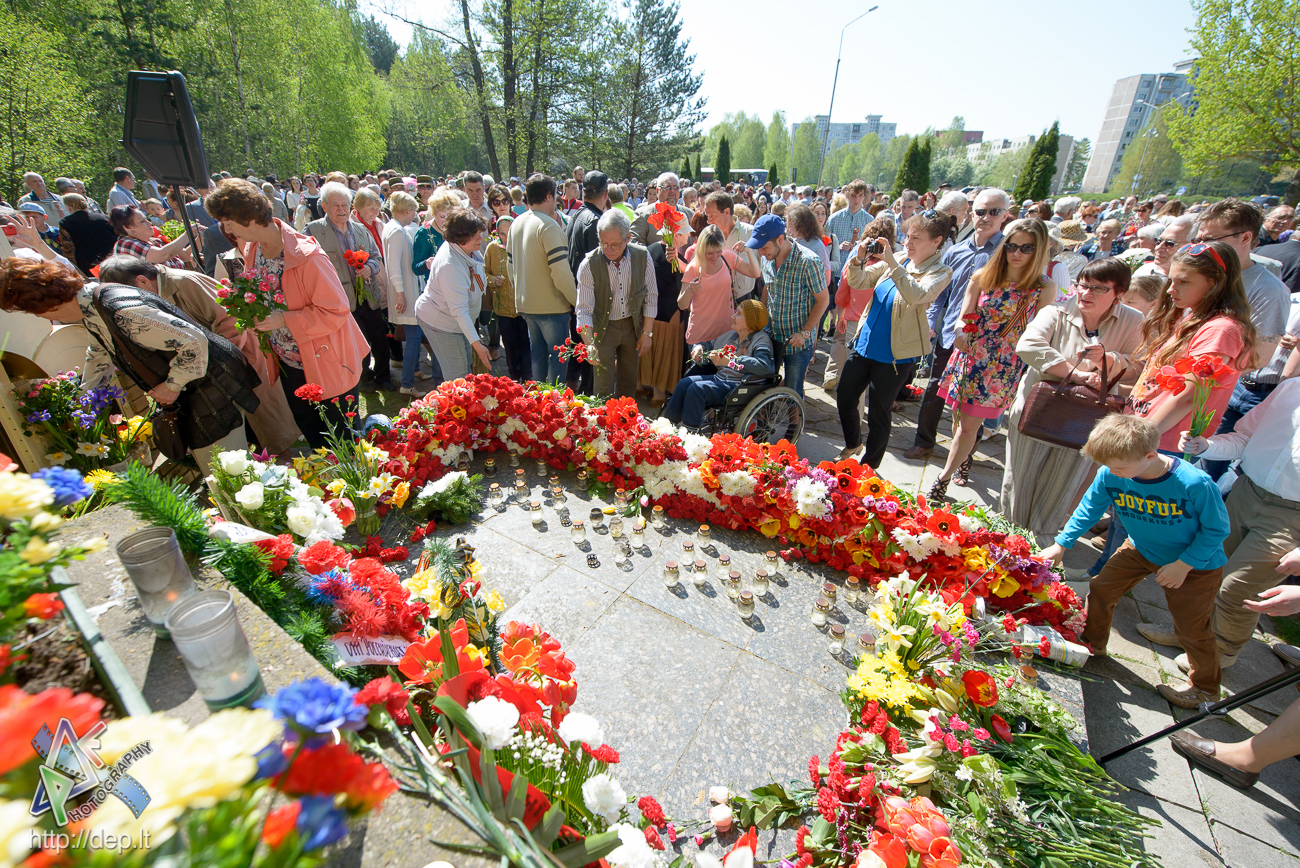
[675, 292]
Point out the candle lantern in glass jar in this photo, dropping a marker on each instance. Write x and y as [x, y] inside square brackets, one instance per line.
[156, 567]
[851, 590]
[616, 527]
[490, 468]
[835, 639]
[700, 574]
[830, 590]
[760, 582]
[578, 531]
[597, 518]
[866, 644]
[821, 612]
[584, 480]
[638, 532]
[212, 645]
[671, 574]
[724, 568]
[745, 605]
[733, 585]
[537, 514]
[773, 565]
[657, 517]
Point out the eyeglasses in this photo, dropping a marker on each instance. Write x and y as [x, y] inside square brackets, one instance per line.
[1020, 248]
[1202, 248]
[1216, 238]
[988, 212]
[1165, 242]
[1093, 288]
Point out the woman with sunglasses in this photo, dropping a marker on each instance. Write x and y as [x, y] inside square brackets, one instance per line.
[1066, 342]
[1001, 298]
[498, 199]
[1203, 312]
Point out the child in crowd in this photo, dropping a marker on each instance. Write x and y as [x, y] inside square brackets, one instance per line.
[1176, 522]
[1144, 292]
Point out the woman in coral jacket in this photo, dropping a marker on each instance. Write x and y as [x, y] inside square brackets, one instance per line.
[316, 339]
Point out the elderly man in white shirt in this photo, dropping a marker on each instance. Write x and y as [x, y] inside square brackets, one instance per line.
[1263, 544]
[618, 299]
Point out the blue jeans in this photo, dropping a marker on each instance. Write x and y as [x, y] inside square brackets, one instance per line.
[411, 356]
[695, 394]
[1243, 400]
[546, 331]
[795, 363]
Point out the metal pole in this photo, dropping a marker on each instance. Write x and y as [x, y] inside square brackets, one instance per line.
[826, 140]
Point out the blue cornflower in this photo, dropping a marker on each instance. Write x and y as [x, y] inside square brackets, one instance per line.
[66, 483]
[271, 761]
[313, 707]
[39, 416]
[320, 823]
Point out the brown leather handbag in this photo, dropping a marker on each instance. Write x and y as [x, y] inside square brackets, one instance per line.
[1065, 415]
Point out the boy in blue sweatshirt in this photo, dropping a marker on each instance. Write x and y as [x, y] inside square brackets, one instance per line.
[1176, 523]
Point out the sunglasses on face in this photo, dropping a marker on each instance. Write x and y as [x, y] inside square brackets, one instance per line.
[988, 212]
[1021, 248]
[1165, 242]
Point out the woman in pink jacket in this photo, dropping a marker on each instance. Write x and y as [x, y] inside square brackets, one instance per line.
[316, 339]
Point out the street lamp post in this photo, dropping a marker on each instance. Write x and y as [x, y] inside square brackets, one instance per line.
[1148, 135]
[821, 164]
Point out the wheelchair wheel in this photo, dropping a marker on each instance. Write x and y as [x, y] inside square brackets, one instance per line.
[777, 414]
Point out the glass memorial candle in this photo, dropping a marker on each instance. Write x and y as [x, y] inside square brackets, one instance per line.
[700, 574]
[212, 645]
[821, 610]
[773, 565]
[760, 582]
[597, 518]
[490, 468]
[704, 536]
[688, 549]
[866, 644]
[671, 574]
[494, 494]
[578, 532]
[724, 568]
[616, 527]
[851, 590]
[829, 591]
[154, 563]
[733, 585]
[638, 532]
[745, 605]
[657, 517]
[537, 514]
[835, 639]
[584, 480]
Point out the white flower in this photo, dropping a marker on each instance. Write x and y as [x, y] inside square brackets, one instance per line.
[697, 447]
[251, 495]
[233, 463]
[737, 483]
[963, 773]
[633, 851]
[438, 486]
[719, 795]
[301, 520]
[604, 795]
[560, 434]
[16, 831]
[810, 498]
[495, 719]
[968, 524]
[720, 816]
[662, 426]
[578, 727]
[489, 403]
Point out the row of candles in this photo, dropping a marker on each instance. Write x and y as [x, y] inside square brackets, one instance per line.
[743, 592]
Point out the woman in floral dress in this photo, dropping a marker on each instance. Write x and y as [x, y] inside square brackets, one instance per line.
[1001, 299]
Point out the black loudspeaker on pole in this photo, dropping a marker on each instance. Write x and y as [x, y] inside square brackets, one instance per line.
[162, 132]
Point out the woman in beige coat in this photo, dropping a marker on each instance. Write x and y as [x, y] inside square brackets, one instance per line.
[1040, 481]
[892, 333]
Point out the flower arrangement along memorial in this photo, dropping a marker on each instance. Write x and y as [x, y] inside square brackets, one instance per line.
[949, 755]
[84, 430]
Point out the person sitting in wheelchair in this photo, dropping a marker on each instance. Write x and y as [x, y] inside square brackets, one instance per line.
[717, 371]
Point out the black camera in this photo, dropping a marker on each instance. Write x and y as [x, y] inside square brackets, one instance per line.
[875, 246]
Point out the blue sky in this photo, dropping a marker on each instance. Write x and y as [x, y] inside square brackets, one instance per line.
[1010, 67]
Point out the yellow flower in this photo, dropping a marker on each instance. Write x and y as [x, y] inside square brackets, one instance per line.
[38, 551]
[44, 522]
[401, 491]
[21, 496]
[771, 527]
[336, 487]
[16, 829]
[1002, 584]
[59, 458]
[494, 601]
[99, 478]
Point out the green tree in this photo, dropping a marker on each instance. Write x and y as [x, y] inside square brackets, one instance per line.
[908, 172]
[776, 152]
[952, 169]
[748, 142]
[952, 137]
[380, 45]
[891, 160]
[722, 168]
[867, 159]
[1045, 163]
[686, 167]
[427, 130]
[922, 175]
[1153, 155]
[46, 104]
[772, 175]
[1077, 165]
[658, 91]
[807, 150]
[1247, 96]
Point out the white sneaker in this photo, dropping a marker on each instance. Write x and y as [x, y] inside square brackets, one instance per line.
[421, 375]
[1185, 666]
[413, 390]
[1077, 575]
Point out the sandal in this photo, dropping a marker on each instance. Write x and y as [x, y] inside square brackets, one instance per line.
[938, 491]
[962, 476]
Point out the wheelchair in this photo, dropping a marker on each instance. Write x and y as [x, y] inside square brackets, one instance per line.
[759, 408]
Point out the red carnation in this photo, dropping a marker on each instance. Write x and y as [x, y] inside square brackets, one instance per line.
[651, 810]
[827, 805]
[43, 606]
[279, 823]
[799, 846]
[310, 392]
[323, 556]
[814, 773]
[280, 549]
[652, 838]
[604, 753]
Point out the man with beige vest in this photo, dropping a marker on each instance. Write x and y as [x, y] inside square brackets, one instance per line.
[616, 305]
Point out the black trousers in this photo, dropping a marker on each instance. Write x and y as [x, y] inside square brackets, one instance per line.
[514, 338]
[881, 381]
[375, 329]
[927, 423]
[580, 376]
[306, 413]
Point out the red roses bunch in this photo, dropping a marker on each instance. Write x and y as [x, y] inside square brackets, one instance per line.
[251, 297]
[356, 260]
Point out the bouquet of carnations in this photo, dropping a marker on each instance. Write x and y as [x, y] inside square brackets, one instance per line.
[85, 430]
[577, 352]
[252, 297]
[271, 497]
[668, 220]
[1206, 374]
[356, 260]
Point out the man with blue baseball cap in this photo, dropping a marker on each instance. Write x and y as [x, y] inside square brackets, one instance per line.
[795, 295]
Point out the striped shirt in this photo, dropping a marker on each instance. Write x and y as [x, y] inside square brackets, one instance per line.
[792, 290]
[842, 225]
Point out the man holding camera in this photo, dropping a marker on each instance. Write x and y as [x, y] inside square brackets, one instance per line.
[964, 258]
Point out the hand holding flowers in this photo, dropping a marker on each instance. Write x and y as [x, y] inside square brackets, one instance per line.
[252, 297]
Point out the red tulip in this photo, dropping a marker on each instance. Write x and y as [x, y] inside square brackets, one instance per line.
[981, 689]
[343, 508]
[1000, 728]
[890, 849]
[943, 853]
